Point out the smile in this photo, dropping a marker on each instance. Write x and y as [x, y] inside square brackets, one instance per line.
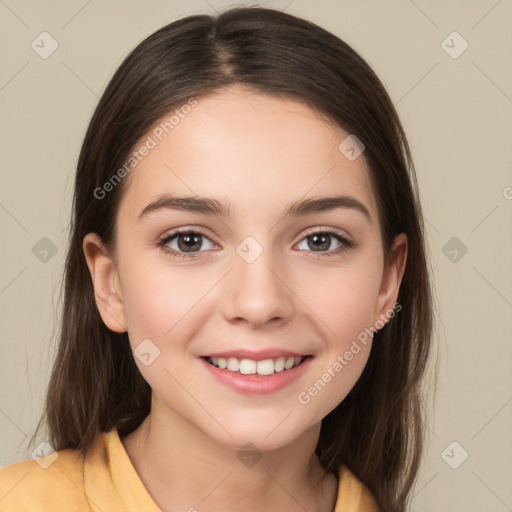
[263, 367]
[256, 376]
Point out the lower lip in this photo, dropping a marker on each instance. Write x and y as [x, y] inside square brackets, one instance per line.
[257, 384]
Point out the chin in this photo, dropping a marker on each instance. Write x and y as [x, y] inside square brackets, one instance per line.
[263, 435]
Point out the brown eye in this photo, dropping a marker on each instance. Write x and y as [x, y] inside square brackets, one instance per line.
[182, 243]
[323, 241]
[189, 242]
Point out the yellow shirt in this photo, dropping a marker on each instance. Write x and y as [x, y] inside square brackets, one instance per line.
[108, 482]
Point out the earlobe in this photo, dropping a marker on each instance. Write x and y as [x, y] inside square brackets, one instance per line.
[392, 278]
[105, 280]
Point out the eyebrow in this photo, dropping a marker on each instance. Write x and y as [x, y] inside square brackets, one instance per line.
[210, 206]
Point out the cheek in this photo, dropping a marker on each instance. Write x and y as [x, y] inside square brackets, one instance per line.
[343, 300]
[343, 303]
[157, 299]
[162, 306]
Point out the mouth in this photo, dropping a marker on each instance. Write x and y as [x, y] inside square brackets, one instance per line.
[261, 367]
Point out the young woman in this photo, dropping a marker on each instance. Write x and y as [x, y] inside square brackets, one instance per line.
[248, 313]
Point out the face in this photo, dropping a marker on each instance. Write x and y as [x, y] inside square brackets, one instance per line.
[257, 282]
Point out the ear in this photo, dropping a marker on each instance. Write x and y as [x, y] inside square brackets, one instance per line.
[391, 278]
[106, 283]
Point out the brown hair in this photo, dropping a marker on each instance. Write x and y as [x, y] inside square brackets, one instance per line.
[378, 429]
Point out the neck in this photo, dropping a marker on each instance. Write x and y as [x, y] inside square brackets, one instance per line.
[167, 451]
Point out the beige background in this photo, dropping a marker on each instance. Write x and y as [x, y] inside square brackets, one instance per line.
[457, 114]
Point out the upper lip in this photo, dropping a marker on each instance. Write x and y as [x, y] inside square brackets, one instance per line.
[256, 355]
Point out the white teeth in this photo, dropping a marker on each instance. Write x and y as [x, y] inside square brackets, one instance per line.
[289, 363]
[251, 367]
[247, 367]
[233, 364]
[266, 367]
[279, 364]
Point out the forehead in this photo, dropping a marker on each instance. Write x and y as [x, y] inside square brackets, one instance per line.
[254, 150]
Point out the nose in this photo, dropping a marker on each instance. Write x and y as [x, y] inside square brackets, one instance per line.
[258, 292]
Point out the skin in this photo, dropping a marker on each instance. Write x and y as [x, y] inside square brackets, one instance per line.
[259, 153]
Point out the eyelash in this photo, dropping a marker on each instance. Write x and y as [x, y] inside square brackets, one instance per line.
[167, 237]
